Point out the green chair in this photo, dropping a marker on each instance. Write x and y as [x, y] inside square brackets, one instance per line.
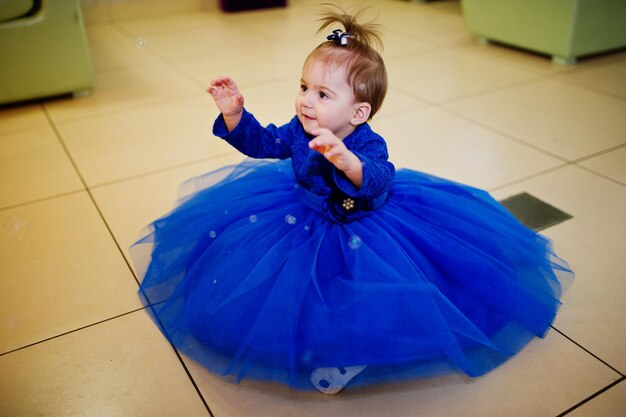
[564, 29]
[43, 50]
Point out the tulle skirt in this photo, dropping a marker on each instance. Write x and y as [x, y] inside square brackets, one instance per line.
[249, 281]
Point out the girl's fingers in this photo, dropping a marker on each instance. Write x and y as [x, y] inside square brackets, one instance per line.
[324, 150]
[224, 82]
[328, 151]
[216, 82]
[319, 145]
[324, 140]
[332, 153]
[313, 143]
[326, 143]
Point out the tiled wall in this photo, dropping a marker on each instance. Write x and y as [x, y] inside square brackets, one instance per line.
[101, 11]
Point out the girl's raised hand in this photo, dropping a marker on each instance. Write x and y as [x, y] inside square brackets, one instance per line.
[335, 151]
[227, 96]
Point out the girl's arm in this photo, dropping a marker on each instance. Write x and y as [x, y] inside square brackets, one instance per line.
[364, 172]
[338, 154]
[240, 129]
[254, 140]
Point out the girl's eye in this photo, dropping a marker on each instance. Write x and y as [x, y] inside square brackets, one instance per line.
[323, 95]
[303, 88]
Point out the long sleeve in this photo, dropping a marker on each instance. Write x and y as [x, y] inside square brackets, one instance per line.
[313, 171]
[256, 141]
[378, 172]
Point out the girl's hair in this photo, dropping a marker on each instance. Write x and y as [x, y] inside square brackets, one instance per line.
[365, 67]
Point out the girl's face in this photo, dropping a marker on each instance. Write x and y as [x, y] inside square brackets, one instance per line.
[325, 99]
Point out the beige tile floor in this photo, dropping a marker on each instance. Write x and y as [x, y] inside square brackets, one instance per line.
[79, 178]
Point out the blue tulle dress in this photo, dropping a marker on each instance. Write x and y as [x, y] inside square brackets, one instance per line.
[271, 269]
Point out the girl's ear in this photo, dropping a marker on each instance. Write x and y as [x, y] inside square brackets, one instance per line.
[362, 113]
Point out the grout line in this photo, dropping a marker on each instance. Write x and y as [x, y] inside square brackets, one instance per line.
[71, 331]
[88, 190]
[599, 153]
[591, 171]
[42, 199]
[567, 162]
[193, 381]
[561, 76]
[18, 130]
[586, 63]
[150, 306]
[424, 100]
[532, 79]
[60, 139]
[529, 177]
[589, 88]
[586, 400]
[506, 135]
[116, 111]
[117, 181]
[418, 107]
[588, 351]
[577, 163]
[160, 171]
[432, 49]
[171, 63]
[133, 38]
[552, 76]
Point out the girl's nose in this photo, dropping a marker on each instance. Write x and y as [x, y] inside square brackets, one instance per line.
[306, 100]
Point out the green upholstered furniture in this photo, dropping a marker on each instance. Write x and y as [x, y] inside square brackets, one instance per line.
[564, 29]
[43, 49]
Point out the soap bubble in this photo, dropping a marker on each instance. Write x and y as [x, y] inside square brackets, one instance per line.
[307, 227]
[253, 218]
[277, 140]
[16, 226]
[354, 242]
[141, 42]
[290, 219]
[212, 234]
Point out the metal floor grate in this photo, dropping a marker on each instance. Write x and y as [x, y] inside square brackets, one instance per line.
[533, 212]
